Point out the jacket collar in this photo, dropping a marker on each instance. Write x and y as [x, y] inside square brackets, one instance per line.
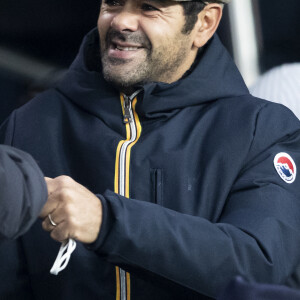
[214, 77]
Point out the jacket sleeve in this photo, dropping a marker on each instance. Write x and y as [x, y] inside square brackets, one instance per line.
[23, 192]
[257, 235]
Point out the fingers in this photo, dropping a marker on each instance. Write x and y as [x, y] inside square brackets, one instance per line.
[76, 211]
[58, 232]
[55, 189]
[47, 226]
[49, 184]
[61, 233]
[56, 220]
[54, 183]
[56, 224]
[48, 208]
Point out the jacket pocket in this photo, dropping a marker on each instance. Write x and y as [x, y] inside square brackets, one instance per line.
[157, 186]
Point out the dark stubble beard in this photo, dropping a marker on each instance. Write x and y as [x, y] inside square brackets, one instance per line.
[159, 64]
[118, 78]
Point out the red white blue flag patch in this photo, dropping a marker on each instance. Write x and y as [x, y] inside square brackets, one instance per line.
[285, 167]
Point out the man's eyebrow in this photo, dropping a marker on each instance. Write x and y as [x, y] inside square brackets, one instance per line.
[161, 2]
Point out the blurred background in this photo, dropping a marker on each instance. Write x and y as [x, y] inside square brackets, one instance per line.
[40, 38]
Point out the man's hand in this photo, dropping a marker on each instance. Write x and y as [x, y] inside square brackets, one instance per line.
[75, 210]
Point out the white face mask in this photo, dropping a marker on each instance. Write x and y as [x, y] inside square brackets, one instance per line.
[63, 256]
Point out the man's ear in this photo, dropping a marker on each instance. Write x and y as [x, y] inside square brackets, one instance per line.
[207, 23]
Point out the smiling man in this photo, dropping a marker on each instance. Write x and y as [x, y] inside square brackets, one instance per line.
[147, 41]
[159, 163]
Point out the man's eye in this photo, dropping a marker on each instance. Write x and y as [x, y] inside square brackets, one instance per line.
[148, 7]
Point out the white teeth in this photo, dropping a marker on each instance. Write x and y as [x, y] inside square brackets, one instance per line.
[127, 48]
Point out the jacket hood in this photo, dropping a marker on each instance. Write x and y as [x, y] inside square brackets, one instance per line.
[214, 75]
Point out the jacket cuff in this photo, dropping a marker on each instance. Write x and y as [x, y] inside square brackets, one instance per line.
[105, 226]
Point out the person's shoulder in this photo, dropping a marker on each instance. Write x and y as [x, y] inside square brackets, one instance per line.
[47, 101]
[46, 109]
[256, 103]
[274, 107]
[257, 111]
[243, 104]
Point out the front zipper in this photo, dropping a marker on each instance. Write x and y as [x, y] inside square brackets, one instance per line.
[133, 131]
[128, 114]
[127, 110]
[128, 118]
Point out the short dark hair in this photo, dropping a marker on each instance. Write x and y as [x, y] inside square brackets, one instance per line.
[191, 10]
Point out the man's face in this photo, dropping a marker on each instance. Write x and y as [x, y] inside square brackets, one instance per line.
[141, 41]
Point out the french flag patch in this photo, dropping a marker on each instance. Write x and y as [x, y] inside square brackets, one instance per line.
[285, 167]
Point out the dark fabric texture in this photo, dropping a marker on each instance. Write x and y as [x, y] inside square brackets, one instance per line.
[206, 202]
[240, 289]
[23, 192]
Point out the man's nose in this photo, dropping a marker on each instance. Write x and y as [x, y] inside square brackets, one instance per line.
[126, 20]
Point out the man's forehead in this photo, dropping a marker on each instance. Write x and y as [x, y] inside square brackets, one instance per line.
[166, 2]
[203, 1]
[220, 1]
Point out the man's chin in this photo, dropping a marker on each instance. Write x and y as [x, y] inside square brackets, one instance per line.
[121, 80]
[123, 76]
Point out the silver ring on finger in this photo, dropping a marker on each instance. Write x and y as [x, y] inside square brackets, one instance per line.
[51, 221]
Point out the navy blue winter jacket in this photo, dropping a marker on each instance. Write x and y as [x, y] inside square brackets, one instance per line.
[239, 289]
[192, 188]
